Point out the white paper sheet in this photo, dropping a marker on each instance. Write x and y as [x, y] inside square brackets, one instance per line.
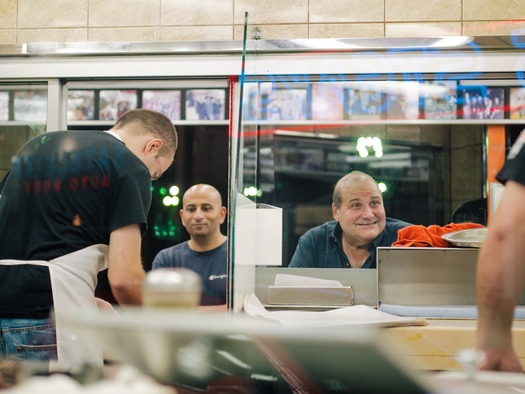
[352, 315]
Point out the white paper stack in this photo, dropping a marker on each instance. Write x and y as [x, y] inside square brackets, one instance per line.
[351, 315]
[294, 290]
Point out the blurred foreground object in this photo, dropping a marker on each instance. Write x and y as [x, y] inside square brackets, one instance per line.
[172, 288]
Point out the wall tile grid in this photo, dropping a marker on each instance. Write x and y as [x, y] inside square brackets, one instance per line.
[170, 20]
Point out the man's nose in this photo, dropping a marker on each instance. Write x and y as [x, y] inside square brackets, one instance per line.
[198, 214]
[368, 212]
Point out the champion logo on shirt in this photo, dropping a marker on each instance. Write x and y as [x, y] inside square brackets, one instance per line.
[213, 277]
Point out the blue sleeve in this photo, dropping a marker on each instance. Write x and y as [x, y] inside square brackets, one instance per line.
[391, 229]
[303, 256]
[161, 260]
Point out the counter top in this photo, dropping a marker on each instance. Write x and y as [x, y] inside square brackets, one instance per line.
[434, 346]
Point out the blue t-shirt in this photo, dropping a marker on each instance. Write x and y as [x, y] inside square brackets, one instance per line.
[210, 265]
[321, 246]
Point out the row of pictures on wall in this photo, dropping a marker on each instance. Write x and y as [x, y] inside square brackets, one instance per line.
[110, 104]
[315, 101]
[383, 100]
[176, 104]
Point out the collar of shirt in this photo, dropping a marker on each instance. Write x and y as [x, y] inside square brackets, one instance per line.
[114, 135]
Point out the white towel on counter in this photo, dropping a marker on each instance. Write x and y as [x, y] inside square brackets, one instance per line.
[355, 315]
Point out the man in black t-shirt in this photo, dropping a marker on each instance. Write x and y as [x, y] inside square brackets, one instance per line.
[72, 204]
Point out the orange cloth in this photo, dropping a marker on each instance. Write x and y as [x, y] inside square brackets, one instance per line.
[420, 236]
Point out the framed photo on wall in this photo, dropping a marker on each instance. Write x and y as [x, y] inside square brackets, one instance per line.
[402, 100]
[363, 101]
[440, 99]
[205, 104]
[80, 105]
[481, 102]
[517, 103]
[251, 105]
[327, 101]
[114, 103]
[167, 102]
[285, 104]
[255, 98]
[30, 105]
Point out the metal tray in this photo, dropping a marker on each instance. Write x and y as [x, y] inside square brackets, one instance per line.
[470, 238]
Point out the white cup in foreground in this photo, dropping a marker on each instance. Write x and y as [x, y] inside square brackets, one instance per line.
[174, 288]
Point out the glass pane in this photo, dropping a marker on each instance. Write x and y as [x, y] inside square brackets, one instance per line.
[299, 138]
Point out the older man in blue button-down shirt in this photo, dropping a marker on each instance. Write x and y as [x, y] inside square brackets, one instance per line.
[360, 225]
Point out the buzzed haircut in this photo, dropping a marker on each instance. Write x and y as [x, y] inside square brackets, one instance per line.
[152, 122]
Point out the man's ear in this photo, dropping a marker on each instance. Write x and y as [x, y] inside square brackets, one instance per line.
[222, 216]
[154, 145]
[181, 219]
[335, 212]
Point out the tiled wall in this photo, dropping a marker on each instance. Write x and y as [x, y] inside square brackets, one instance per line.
[26, 21]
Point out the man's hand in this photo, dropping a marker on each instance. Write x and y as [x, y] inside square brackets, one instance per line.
[501, 360]
[103, 305]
